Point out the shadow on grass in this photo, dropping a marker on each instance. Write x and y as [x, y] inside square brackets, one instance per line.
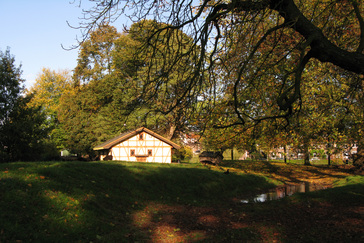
[291, 173]
[332, 215]
[77, 201]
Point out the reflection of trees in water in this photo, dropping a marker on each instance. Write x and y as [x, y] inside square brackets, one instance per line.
[284, 191]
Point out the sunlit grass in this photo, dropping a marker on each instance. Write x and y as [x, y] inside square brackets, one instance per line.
[312, 161]
[350, 180]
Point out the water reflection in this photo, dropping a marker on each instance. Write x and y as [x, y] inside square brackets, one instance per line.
[284, 191]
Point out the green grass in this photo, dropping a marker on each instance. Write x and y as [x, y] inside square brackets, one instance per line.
[101, 201]
[312, 162]
[87, 201]
[350, 180]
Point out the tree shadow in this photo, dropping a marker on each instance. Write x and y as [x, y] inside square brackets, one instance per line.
[318, 171]
[26, 214]
[81, 201]
[108, 202]
[332, 215]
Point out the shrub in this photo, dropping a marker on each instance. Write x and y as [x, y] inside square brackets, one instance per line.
[184, 153]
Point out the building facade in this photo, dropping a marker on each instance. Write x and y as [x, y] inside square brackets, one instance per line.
[140, 145]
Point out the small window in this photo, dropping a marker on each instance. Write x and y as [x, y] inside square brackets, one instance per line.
[141, 136]
[150, 152]
[132, 152]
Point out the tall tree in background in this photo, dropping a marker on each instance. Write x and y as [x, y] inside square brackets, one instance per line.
[77, 117]
[22, 130]
[47, 90]
[10, 84]
[79, 108]
[126, 85]
[94, 58]
[23, 137]
[153, 77]
[353, 122]
[10, 88]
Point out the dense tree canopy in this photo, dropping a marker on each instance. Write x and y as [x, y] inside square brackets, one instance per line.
[46, 93]
[10, 84]
[22, 128]
[267, 72]
[23, 137]
[151, 76]
[120, 84]
[255, 60]
[94, 59]
[48, 88]
[244, 44]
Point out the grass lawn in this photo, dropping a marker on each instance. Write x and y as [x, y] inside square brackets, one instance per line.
[128, 202]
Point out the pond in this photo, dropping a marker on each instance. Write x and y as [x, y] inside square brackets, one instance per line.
[284, 191]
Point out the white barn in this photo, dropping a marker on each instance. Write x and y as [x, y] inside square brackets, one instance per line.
[140, 145]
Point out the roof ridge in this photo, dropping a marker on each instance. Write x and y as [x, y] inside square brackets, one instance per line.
[124, 136]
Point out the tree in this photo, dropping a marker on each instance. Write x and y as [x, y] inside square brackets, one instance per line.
[46, 93]
[249, 40]
[353, 122]
[217, 23]
[23, 136]
[22, 129]
[95, 59]
[96, 108]
[255, 53]
[79, 109]
[108, 101]
[48, 88]
[152, 78]
[10, 84]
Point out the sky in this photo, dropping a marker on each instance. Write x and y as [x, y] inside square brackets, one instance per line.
[35, 31]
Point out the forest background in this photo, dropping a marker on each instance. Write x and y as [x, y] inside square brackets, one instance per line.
[247, 78]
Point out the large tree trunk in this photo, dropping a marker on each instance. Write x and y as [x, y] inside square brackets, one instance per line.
[358, 159]
[321, 47]
[285, 154]
[306, 152]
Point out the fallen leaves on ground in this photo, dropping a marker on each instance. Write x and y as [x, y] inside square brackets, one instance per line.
[292, 221]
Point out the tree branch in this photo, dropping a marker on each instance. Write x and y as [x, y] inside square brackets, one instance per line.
[321, 47]
[240, 74]
[284, 101]
[361, 24]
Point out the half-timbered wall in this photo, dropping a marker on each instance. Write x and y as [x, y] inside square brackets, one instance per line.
[142, 147]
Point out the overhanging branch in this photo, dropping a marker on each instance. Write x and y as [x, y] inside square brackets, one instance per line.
[321, 47]
[361, 25]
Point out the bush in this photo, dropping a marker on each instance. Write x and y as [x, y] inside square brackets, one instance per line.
[184, 153]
